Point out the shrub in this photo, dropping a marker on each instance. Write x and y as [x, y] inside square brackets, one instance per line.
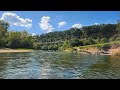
[105, 46]
[76, 42]
[104, 40]
[89, 41]
[52, 47]
[45, 47]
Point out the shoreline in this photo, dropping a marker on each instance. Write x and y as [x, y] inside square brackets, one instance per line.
[14, 50]
[95, 51]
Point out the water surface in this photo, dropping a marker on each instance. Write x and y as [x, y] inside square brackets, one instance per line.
[58, 65]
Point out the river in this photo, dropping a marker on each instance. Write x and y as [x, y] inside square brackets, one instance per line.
[58, 65]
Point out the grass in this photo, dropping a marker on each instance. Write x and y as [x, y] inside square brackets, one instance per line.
[101, 45]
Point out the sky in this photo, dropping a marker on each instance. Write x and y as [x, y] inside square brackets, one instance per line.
[39, 22]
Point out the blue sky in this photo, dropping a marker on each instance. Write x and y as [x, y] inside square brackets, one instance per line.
[39, 22]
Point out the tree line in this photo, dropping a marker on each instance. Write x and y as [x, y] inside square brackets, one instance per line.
[14, 39]
[86, 35]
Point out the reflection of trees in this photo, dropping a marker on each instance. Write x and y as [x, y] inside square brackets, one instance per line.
[3, 65]
[67, 60]
[115, 65]
[106, 67]
[12, 62]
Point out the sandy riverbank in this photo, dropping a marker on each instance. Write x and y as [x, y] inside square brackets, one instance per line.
[102, 52]
[111, 51]
[13, 50]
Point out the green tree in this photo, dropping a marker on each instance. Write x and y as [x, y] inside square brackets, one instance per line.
[13, 40]
[118, 26]
[66, 44]
[19, 40]
[3, 32]
[104, 40]
[45, 47]
[36, 45]
[52, 47]
[75, 42]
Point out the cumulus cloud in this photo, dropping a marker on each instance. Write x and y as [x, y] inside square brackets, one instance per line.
[14, 19]
[77, 26]
[45, 25]
[96, 23]
[60, 24]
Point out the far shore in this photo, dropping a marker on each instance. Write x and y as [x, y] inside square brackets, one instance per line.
[95, 51]
[14, 50]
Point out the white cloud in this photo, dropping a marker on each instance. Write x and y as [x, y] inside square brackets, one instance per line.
[60, 24]
[33, 34]
[14, 19]
[77, 26]
[45, 25]
[96, 23]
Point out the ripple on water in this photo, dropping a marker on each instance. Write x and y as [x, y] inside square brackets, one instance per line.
[58, 65]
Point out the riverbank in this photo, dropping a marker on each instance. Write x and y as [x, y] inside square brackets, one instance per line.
[99, 52]
[14, 50]
[112, 49]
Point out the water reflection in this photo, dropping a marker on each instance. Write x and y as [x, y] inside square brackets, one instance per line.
[58, 65]
[108, 67]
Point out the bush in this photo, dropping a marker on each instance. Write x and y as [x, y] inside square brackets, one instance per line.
[75, 42]
[45, 47]
[105, 46]
[36, 46]
[116, 37]
[97, 40]
[99, 46]
[89, 41]
[81, 42]
[66, 44]
[52, 47]
[104, 40]
[112, 39]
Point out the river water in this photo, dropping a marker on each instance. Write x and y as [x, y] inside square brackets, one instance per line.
[58, 65]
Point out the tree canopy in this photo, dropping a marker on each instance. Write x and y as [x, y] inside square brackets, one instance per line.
[87, 35]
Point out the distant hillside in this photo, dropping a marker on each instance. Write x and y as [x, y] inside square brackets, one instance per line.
[59, 40]
[87, 35]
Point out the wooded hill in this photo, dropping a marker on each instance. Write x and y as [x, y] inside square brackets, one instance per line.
[87, 35]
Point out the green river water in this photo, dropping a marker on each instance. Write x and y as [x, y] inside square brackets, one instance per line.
[58, 65]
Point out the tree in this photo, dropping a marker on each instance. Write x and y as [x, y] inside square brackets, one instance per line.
[3, 32]
[45, 47]
[91, 41]
[36, 45]
[88, 41]
[118, 26]
[52, 47]
[13, 40]
[75, 42]
[104, 40]
[4, 24]
[19, 40]
[66, 44]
